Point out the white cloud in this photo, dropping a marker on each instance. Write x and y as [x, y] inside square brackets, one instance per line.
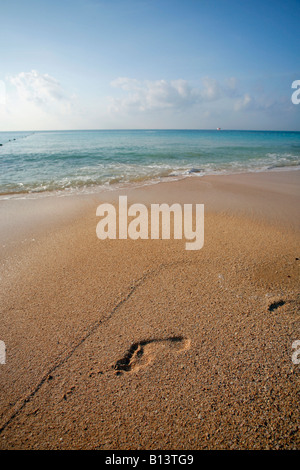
[125, 83]
[243, 102]
[263, 104]
[37, 101]
[153, 95]
[158, 95]
[42, 89]
[32, 100]
[211, 89]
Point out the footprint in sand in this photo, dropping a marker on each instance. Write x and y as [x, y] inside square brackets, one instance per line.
[143, 353]
[275, 305]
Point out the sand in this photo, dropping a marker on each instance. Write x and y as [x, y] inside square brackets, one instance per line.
[140, 344]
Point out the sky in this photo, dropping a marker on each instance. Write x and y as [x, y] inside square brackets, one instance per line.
[149, 64]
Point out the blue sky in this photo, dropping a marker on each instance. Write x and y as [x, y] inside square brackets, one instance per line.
[89, 64]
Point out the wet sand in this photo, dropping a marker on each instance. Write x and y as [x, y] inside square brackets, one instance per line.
[123, 344]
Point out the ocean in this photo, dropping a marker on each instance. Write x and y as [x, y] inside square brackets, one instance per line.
[40, 162]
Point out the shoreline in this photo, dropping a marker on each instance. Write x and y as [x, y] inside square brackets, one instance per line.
[134, 184]
[139, 344]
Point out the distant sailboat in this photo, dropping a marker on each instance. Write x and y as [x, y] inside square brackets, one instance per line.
[218, 128]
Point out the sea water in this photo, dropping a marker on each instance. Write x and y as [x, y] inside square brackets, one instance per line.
[71, 161]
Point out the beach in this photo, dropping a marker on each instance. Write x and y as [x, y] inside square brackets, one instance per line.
[141, 344]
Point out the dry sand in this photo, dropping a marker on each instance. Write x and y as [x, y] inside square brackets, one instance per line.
[123, 344]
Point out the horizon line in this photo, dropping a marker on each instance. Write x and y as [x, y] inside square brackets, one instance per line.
[153, 129]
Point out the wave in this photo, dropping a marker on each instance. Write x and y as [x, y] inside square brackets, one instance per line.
[69, 162]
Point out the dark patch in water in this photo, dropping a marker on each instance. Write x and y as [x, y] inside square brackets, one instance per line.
[196, 170]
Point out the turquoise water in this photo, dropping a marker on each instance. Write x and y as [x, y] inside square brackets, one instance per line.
[35, 162]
